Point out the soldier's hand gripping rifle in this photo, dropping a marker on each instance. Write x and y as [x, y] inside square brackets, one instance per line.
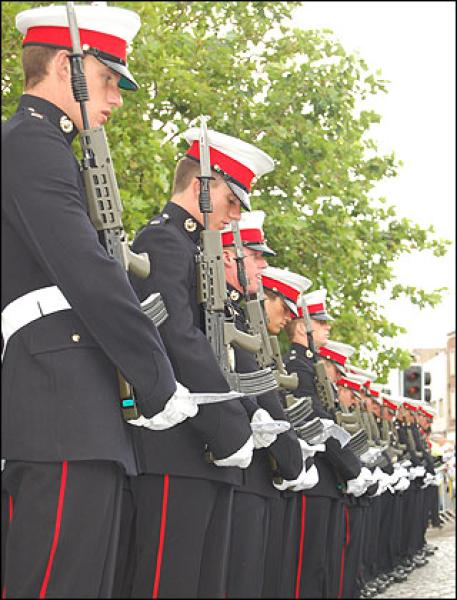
[323, 385]
[212, 293]
[268, 354]
[104, 200]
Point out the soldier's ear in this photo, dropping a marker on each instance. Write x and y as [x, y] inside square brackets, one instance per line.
[195, 187]
[227, 257]
[61, 64]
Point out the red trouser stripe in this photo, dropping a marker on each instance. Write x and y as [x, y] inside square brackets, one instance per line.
[55, 541]
[300, 552]
[343, 552]
[163, 523]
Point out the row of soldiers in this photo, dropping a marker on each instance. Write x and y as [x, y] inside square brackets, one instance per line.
[231, 471]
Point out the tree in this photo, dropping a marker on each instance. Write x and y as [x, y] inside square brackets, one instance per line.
[299, 96]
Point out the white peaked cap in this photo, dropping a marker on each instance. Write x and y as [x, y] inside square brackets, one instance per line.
[367, 375]
[354, 376]
[287, 284]
[105, 31]
[337, 352]
[377, 387]
[316, 303]
[238, 161]
[251, 232]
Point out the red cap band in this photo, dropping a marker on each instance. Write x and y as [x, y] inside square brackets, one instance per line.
[314, 308]
[247, 235]
[427, 414]
[410, 406]
[389, 404]
[282, 288]
[60, 36]
[232, 167]
[326, 353]
[348, 383]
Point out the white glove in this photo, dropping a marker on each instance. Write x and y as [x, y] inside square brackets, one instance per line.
[406, 463]
[427, 481]
[308, 450]
[357, 486]
[368, 476]
[177, 409]
[402, 485]
[241, 458]
[262, 440]
[420, 471]
[305, 481]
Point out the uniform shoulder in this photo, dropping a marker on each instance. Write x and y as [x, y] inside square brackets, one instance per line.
[30, 132]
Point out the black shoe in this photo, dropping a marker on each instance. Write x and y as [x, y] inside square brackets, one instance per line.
[420, 562]
[407, 566]
[429, 549]
[380, 585]
[399, 576]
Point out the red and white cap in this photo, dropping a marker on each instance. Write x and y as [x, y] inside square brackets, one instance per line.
[411, 405]
[315, 301]
[237, 161]
[104, 31]
[366, 376]
[375, 391]
[251, 232]
[391, 403]
[427, 411]
[350, 381]
[337, 352]
[286, 284]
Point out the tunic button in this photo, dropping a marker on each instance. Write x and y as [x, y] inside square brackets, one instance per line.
[76, 337]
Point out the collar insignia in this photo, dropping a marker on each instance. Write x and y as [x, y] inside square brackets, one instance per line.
[65, 124]
[190, 225]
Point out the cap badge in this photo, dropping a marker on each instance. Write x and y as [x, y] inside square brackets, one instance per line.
[190, 225]
[309, 354]
[234, 295]
[65, 124]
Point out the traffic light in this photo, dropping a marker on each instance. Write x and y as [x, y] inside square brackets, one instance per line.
[427, 390]
[412, 382]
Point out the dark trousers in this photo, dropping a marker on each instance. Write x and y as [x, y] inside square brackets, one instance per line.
[62, 528]
[250, 520]
[125, 562]
[397, 522]
[182, 529]
[320, 546]
[352, 552]
[385, 559]
[282, 547]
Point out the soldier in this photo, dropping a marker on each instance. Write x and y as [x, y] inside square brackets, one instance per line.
[323, 526]
[183, 501]
[254, 499]
[69, 318]
[282, 289]
[411, 502]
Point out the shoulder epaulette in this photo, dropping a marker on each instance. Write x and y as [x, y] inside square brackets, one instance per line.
[159, 220]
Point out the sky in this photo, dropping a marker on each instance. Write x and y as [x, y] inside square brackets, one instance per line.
[413, 44]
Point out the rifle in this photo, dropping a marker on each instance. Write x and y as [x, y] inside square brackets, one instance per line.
[104, 201]
[212, 293]
[323, 385]
[268, 354]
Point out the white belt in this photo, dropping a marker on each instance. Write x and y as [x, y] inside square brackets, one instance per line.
[28, 308]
